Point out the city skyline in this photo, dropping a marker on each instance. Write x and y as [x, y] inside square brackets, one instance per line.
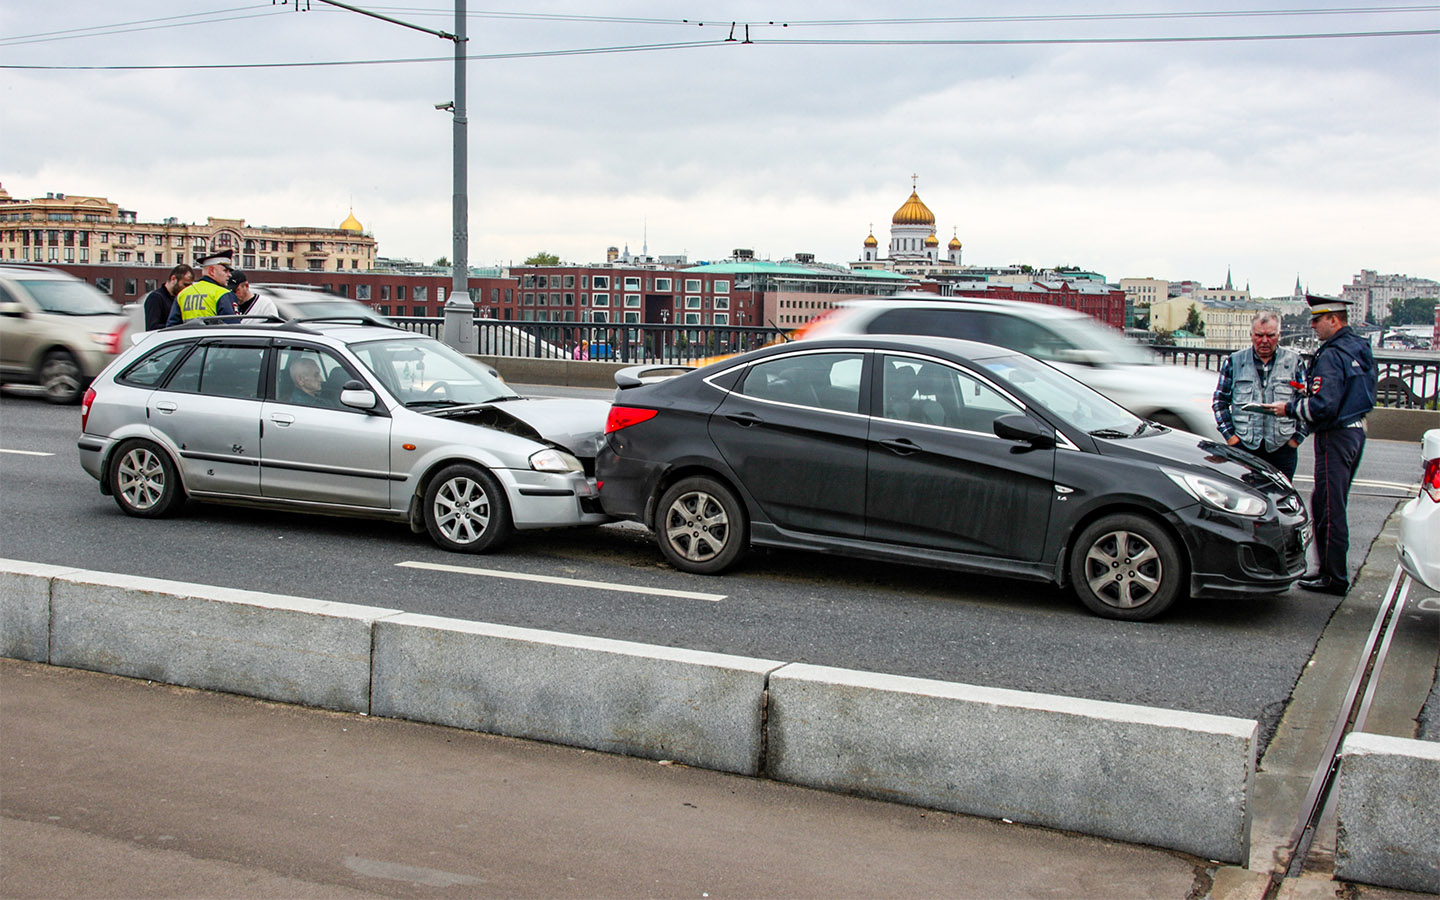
[1269, 159]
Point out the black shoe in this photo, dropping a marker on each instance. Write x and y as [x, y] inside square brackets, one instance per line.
[1324, 584]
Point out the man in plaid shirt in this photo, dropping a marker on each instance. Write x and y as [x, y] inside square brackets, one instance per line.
[1262, 373]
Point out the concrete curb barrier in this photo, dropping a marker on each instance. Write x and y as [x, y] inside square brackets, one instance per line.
[1139, 774]
[291, 649]
[1170, 779]
[1387, 830]
[703, 709]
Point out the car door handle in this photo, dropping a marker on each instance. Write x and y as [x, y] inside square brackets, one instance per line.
[166, 406]
[745, 419]
[901, 446]
[282, 419]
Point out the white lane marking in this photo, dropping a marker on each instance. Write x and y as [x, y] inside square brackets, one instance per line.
[1395, 485]
[25, 452]
[570, 582]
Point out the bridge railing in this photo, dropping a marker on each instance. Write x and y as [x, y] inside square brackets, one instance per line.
[1406, 381]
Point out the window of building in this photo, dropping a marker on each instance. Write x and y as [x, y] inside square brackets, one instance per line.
[104, 256]
[130, 287]
[362, 292]
[632, 284]
[104, 285]
[721, 302]
[384, 292]
[692, 318]
[421, 293]
[692, 302]
[542, 281]
[601, 300]
[555, 298]
[720, 286]
[692, 284]
[569, 281]
[632, 300]
[632, 317]
[542, 299]
[584, 281]
[150, 285]
[600, 315]
[569, 299]
[663, 285]
[399, 292]
[602, 282]
[722, 318]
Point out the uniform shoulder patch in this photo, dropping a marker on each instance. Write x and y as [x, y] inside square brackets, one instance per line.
[1315, 384]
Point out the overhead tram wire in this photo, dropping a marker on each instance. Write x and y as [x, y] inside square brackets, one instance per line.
[695, 45]
[23, 40]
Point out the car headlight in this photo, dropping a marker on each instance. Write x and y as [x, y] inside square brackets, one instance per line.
[1213, 492]
[553, 460]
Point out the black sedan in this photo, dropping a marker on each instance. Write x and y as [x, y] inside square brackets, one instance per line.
[943, 453]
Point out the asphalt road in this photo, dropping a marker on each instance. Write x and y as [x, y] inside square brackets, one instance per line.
[1229, 658]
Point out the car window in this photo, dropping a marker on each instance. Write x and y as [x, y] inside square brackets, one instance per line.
[221, 370]
[930, 393]
[149, 370]
[422, 372]
[1012, 332]
[69, 297]
[309, 376]
[820, 380]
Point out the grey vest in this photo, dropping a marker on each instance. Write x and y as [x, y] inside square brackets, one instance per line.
[1255, 428]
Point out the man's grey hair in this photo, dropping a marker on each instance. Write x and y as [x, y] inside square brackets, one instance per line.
[1263, 316]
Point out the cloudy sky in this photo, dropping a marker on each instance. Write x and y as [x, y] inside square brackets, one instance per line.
[1037, 134]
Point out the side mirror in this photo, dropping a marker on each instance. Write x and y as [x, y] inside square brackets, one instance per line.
[12, 308]
[356, 395]
[1020, 427]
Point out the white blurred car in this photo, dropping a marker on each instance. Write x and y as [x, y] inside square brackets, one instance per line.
[1074, 343]
[1419, 544]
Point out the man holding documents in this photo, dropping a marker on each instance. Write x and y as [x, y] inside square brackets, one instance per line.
[1262, 373]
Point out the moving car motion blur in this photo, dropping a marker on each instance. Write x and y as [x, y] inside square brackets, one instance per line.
[55, 331]
[943, 453]
[346, 416]
[1419, 543]
[1072, 342]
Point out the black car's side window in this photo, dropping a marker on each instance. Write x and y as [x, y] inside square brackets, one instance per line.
[928, 393]
[819, 380]
[221, 371]
[150, 369]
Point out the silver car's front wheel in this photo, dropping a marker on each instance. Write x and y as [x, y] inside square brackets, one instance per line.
[466, 510]
[143, 480]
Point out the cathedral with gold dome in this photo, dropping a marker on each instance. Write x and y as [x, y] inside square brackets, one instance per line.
[914, 247]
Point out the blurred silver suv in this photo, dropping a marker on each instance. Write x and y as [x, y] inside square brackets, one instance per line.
[55, 331]
[348, 416]
[1072, 342]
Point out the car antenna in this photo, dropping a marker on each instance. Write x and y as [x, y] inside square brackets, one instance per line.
[784, 336]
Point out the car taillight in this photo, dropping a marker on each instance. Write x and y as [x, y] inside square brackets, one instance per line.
[111, 342]
[85, 407]
[625, 416]
[1430, 479]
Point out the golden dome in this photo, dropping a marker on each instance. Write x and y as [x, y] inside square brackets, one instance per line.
[352, 224]
[932, 240]
[954, 243]
[914, 212]
[871, 242]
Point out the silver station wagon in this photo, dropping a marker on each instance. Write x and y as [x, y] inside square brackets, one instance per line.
[347, 416]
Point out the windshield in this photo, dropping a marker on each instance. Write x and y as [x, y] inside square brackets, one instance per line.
[70, 298]
[421, 372]
[1090, 337]
[1072, 402]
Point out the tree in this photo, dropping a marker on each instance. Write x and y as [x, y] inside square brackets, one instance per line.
[1193, 323]
[543, 259]
[1412, 311]
[442, 262]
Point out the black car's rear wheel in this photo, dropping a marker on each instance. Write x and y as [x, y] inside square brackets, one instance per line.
[701, 526]
[466, 510]
[143, 480]
[1126, 567]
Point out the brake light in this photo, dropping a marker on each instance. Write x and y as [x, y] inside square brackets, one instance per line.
[625, 416]
[85, 407]
[111, 342]
[1430, 479]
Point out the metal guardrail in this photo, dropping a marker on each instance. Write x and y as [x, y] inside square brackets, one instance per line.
[1405, 381]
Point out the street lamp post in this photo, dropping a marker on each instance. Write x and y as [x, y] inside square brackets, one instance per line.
[459, 328]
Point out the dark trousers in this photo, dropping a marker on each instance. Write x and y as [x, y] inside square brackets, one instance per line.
[1285, 458]
[1337, 456]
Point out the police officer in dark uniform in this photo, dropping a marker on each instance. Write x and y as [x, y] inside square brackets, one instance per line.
[1340, 393]
[210, 296]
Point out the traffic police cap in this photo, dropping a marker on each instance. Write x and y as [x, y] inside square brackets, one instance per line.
[218, 258]
[1320, 306]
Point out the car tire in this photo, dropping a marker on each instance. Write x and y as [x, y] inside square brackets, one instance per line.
[143, 480]
[700, 526]
[61, 378]
[1127, 567]
[466, 510]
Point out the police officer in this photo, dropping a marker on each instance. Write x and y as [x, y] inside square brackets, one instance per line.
[1261, 373]
[1340, 393]
[209, 296]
